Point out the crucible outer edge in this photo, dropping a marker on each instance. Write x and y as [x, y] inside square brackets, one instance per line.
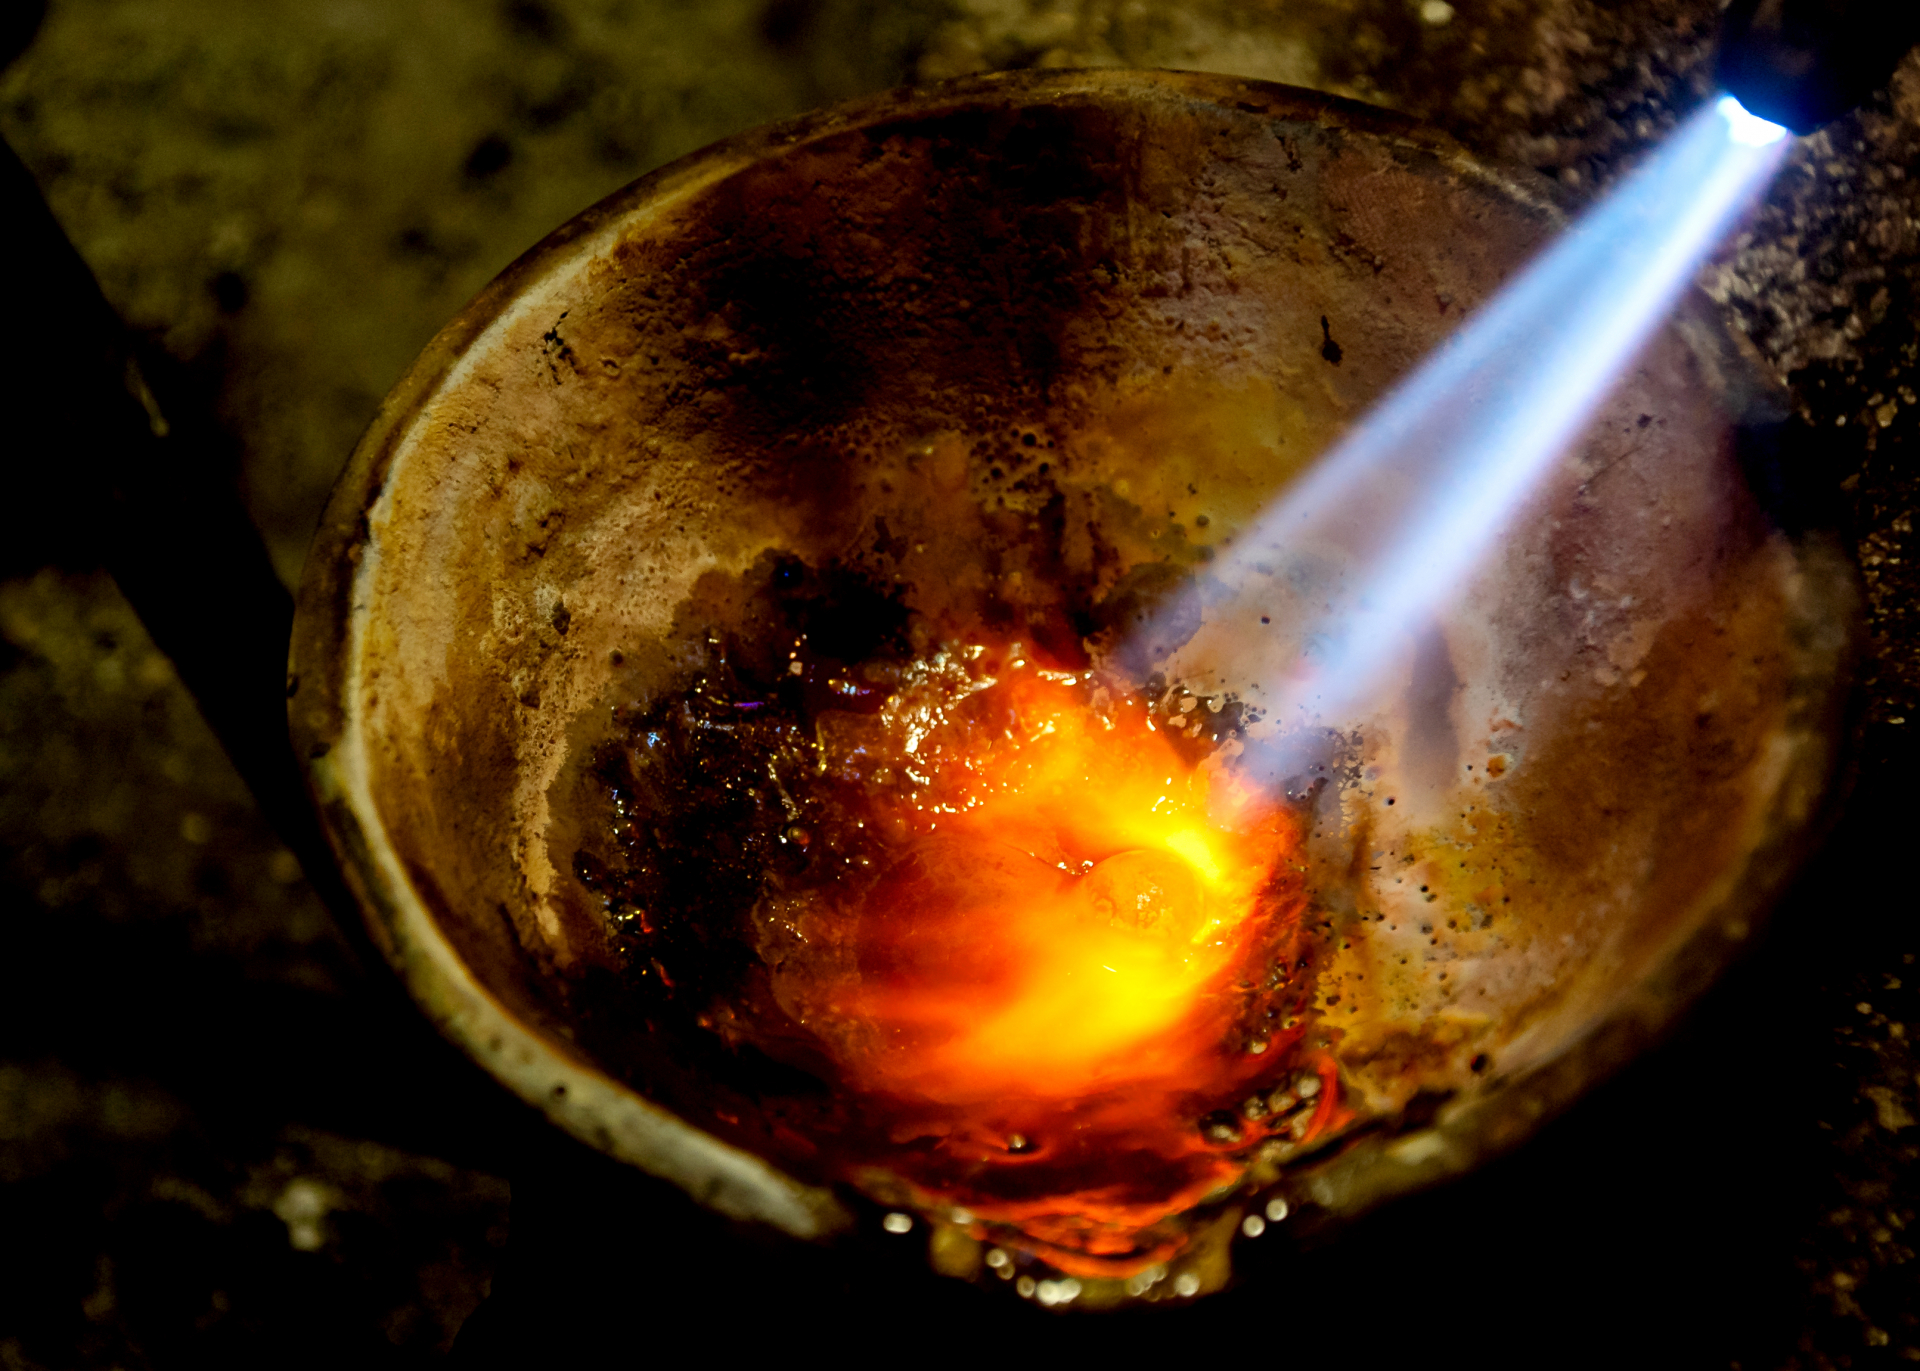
[538, 1065]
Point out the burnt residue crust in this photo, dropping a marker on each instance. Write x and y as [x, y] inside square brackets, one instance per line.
[814, 330]
[715, 786]
[952, 270]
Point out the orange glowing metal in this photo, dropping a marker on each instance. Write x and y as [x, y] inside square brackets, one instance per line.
[1063, 924]
[1081, 961]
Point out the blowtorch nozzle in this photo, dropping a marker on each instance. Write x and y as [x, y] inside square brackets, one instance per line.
[1801, 63]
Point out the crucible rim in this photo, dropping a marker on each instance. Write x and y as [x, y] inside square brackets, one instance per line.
[560, 1081]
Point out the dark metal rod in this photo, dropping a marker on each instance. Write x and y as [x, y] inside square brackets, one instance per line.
[107, 474]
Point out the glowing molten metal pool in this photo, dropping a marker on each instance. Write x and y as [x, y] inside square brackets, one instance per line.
[1046, 945]
[1083, 950]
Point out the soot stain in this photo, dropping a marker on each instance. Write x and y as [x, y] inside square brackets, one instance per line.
[1329, 349]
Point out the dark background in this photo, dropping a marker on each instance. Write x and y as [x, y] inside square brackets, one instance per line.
[222, 1143]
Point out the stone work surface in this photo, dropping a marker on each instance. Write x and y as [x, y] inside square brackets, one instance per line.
[222, 1142]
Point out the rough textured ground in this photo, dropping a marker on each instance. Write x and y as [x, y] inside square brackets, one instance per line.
[219, 1144]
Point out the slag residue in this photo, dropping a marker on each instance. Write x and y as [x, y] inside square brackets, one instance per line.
[1043, 943]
